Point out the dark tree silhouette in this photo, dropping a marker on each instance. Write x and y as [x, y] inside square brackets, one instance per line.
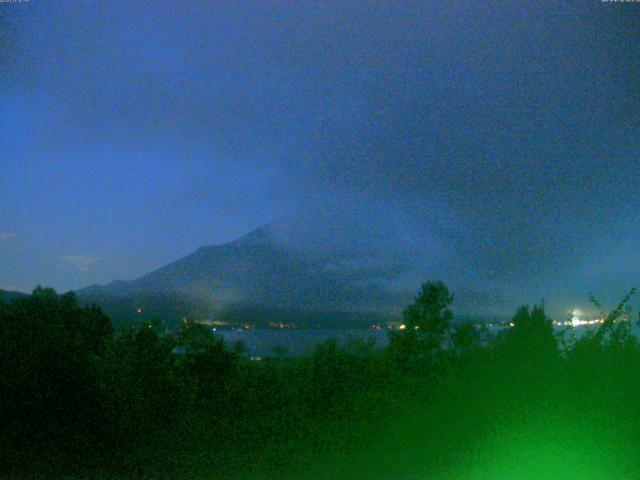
[48, 387]
[426, 324]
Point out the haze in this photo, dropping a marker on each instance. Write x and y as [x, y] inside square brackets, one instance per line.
[495, 144]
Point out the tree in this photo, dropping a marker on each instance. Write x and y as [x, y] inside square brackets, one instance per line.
[614, 335]
[426, 323]
[207, 365]
[466, 338]
[49, 393]
[530, 341]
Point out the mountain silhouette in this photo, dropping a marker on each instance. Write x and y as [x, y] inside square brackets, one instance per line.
[261, 275]
[332, 265]
[10, 295]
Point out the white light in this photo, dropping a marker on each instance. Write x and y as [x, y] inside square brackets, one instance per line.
[575, 318]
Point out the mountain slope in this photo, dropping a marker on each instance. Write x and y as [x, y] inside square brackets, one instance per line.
[8, 295]
[259, 275]
[338, 264]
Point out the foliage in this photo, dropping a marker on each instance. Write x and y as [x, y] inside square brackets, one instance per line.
[426, 324]
[48, 384]
[531, 339]
[78, 399]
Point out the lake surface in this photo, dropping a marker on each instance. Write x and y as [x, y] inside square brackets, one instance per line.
[298, 341]
[295, 342]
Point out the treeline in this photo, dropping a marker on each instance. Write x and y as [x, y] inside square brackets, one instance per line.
[443, 400]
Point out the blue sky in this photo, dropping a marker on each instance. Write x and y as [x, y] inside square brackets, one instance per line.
[133, 133]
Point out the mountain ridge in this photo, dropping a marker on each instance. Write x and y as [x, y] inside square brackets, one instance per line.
[255, 272]
[10, 295]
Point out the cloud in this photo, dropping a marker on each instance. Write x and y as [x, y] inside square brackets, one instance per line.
[6, 236]
[81, 262]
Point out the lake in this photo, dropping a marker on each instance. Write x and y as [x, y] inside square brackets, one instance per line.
[295, 342]
[298, 341]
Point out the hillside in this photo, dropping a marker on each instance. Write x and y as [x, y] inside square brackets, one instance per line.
[8, 295]
[258, 278]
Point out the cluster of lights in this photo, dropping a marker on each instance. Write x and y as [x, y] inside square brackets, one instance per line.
[576, 322]
[282, 325]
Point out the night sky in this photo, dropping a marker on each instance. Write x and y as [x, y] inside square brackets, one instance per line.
[132, 133]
